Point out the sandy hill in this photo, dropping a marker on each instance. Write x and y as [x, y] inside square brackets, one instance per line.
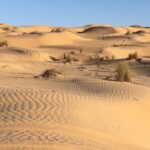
[59, 91]
[97, 31]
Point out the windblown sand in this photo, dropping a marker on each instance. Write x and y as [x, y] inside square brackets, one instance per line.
[76, 109]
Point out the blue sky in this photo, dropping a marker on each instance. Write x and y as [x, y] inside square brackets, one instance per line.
[75, 12]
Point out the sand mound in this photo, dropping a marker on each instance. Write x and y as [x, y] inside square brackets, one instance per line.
[29, 29]
[61, 38]
[4, 44]
[48, 74]
[96, 32]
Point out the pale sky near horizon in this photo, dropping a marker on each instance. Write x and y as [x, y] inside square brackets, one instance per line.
[75, 12]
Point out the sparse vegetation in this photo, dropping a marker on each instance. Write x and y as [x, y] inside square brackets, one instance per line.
[115, 45]
[113, 57]
[4, 43]
[97, 59]
[80, 50]
[67, 58]
[36, 33]
[123, 73]
[133, 56]
[5, 28]
[51, 73]
[72, 52]
[58, 29]
[128, 33]
[107, 57]
[123, 43]
[54, 59]
[139, 32]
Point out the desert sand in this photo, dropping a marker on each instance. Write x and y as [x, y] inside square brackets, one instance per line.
[76, 107]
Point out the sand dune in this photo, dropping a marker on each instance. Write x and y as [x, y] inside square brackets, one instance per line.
[83, 109]
[96, 32]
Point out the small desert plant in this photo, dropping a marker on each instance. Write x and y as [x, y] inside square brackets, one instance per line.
[80, 50]
[107, 57]
[4, 43]
[5, 28]
[128, 33]
[36, 33]
[139, 32]
[72, 52]
[67, 58]
[15, 27]
[98, 61]
[54, 59]
[64, 56]
[116, 45]
[123, 73]
[101, 50]
[133, 56]
[113, 57]
[51, 73]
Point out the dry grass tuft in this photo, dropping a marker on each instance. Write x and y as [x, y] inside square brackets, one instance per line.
[67, 58]
[123, 73]
[4, 43]
[36, 33]
[5, 28]
[133, 56]
[47, 74]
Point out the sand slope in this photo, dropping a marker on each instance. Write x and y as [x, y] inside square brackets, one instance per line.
[78, 110]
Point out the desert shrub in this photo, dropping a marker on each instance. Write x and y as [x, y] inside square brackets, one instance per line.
[51, 73]
[36, 33]
[113, 57]
[67, 58]
[97, 59]
[64, 56]
[107, 57]
[133, 56]
[115, 45]
[139, 32]
[54, 58]
[128, 33]
[5, 28]
[15, 27]
[72, 52]
[101, 50]
[123, 73]
[74, 59]
[80, 50]
[4, 43]
[58, 29]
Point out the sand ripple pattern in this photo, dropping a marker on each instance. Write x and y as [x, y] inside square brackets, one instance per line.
[104, 89]
[29, 117]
